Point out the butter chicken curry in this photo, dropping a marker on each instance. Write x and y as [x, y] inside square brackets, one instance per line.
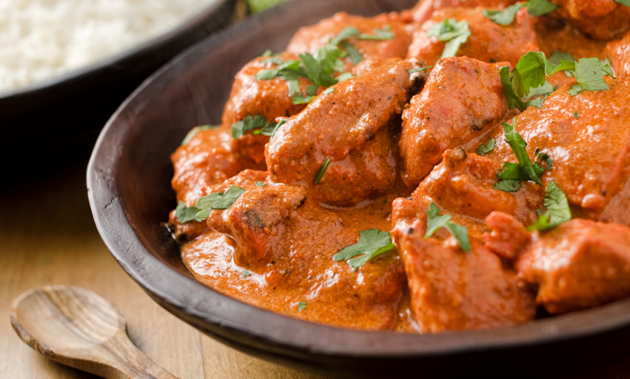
[454, 166]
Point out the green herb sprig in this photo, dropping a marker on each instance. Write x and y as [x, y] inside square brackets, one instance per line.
[451, 31]
[372, 244]
[205, 205]
[435, 221]
[534, 7]
[558, 210]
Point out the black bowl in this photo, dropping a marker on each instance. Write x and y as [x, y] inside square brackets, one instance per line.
[129, 192]
[50, 118]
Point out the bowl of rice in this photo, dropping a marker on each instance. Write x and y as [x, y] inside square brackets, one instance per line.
[67, 64]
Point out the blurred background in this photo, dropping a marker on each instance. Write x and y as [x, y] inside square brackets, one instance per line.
[66, 66]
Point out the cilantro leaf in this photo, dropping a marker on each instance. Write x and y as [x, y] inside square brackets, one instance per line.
[503, 16]
[301, 306]
[481, 150]
[436, 221]
[451, 31]
[185, 214]
[372, 243]
[329, 90]
[260, 184]
[420, 69]
[558, 210]
[299, 99]
[250, 123]
[345, 76]
[355, 55]
[379, 34]
[508, 185]
[558, 56]
[576, 115]
[322, 170]
[540, 7]
[273, 60]
[217, 200]
[529, 72]
[518, 145]
[193, 132]
[543, 90]
[348, 32]
[512, 98]
[246, 273]
[623, 2]
[589, 73]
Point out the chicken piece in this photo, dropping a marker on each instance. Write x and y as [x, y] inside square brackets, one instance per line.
[463, 184]
[269, 98]
[618, 52]
[587, 138]
[283, 236]
[600, 19]
[488, 42]
[555, 35]
[508, 237]
[579, 264]
[462, 99]
[312, 38]
[456, 290]
[425, 8]
[350, 127]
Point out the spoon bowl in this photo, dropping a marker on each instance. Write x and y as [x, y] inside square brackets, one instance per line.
[78, 328]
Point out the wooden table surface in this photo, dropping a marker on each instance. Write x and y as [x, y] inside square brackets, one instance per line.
[47, 236]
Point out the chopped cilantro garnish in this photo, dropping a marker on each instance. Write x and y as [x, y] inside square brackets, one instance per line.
[185, 214]
[481, 150]
[329, 90]
[250, 123]
[299, 99]
[348, 32]
[540, 7]
[524, 170]
[196, 130]
[420, 69]
[623, 2]
[322, 170]
[379, 34]
[559, 56]
[503, 16]
[355, 55]
[534, 7]
[246, 273]
[436, 221]
[576, 115]
[273, 60]
[345, 76]
[451, 31]
[301, 306]
[267, 53]
[372, 243]
[558, 210]
[217, 200]
[260, 184]
[590, 73]
[508, 185]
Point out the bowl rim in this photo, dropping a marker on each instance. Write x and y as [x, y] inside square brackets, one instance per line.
[229, 319]
[51, 83]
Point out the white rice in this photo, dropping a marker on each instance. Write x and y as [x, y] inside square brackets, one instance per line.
[40, 39]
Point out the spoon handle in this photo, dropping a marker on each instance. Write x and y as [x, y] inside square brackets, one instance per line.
[130, 362]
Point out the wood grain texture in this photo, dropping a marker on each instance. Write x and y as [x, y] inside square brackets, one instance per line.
[47, 236]
[80, 329]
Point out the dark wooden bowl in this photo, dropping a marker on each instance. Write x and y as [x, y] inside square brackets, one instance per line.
[46, 120]
[130, 195]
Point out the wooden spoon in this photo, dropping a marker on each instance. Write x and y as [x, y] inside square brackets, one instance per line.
[80, 329]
